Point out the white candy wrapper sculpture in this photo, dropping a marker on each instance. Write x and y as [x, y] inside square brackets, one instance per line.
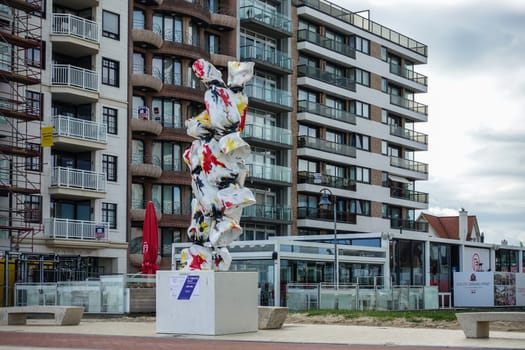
[216, 161]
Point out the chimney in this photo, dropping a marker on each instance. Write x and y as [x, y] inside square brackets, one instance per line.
[463, 224]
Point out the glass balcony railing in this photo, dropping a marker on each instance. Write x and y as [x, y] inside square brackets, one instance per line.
[66, 24]
[78, 179]
[410, 195]
[306, 177]
[268, 133]
[408, 74]
[409, 134]
[267, 212]
[410, 225]
[267, 17]
[79, 128]
[325, 215]
[55, 228]
[325, 111]
[326, 77]
[270, 172]
[409, 164]
[268, 94]
[272, 57]
[409, 104]
[65, 74]
[365, 24]
[140, 158]
[330, 44]
[326, 146]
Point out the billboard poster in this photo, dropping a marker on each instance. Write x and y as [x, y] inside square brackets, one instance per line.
[520, 289]
[473, 289]
[476, 259]
[504, 289]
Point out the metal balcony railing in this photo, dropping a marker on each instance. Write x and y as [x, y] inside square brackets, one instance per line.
[409, 74]
[268, 94]
[325, 215]
[267, 212]
[78, 179]
[409, 104]
[79, 128]
[326, 146]
[403, 193]
[330, 44]
[326, 77]
[306, 177]
[410, 225]
[66, 74]
[270, 18]
[409, 164]
[55, 228]
[268, 133]
[271, 56]
[325, 111]
[66, 24]
[409, 134]
[270, 172]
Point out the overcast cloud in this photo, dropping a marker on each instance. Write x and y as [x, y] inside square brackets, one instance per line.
[476, 98]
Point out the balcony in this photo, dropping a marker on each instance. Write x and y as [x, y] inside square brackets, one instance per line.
[408, 164]
[324, 111]
[325, 215]
[77, 4]
[409, 225]
[409, 195]
[272, 98]
[146, 82]
[74, 36]
[74, 84]
[409, 134]
[266, 213]
[77, 183]
[148, 126]
[409, 74]
[145, 166]
[78, 134]
[146, 38]
[306, 177]
[326, 146]
[270, 59]
[268, 134]
[332, 45]
[326, 77]
[223, 18]
[75, 233]
[409, 104]
[270, 173]
[269, 22]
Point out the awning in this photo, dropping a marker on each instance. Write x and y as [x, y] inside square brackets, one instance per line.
[399, 179]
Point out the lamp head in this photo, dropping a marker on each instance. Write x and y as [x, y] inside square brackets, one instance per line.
[324, 199]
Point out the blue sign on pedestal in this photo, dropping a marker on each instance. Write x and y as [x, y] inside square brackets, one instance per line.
[188, 288]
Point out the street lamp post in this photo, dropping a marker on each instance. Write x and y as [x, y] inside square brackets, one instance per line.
[325, 200]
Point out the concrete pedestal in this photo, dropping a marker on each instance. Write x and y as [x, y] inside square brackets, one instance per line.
[206, 302]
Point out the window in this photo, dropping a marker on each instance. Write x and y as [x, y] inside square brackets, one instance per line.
[137, 196]
[360, 109]
[308, 165]
[110, 119]
[138, 19]
[359, 141]
[138, 63]
[167, 69]
[335, 136]
[360, 174]
[360, 207]
[360, 44]
[109, 166]
[110, 25]
[34, 103]
[168, 27]
[361, 76]
[169, 198]
[214, 44]
[168, 111]
[34, 163]
[5, 57]
[169, 153]
[33, 209]
[168, 237]
[110, 72]
[109, 214]
[35, 56]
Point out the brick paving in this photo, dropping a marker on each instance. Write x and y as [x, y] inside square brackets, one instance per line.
[81, 341]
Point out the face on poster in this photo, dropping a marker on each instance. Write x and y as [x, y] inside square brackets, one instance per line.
[476, 259]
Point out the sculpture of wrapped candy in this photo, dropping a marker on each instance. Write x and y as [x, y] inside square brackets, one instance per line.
[216, 161]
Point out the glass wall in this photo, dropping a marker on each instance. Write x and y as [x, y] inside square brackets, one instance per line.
[440, 266]
[407, 262]
[265, 271]
[507, 260]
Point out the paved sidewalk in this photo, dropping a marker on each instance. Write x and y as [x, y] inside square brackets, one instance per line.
[131, 335]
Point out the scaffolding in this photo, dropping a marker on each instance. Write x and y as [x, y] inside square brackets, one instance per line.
[21, 57]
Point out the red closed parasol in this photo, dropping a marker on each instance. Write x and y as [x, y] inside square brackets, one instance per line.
[150, 240]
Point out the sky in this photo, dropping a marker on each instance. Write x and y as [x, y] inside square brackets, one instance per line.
[476, 99]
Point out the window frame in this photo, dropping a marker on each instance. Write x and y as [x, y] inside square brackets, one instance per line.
[109, 214]
[110, 119]
[110, 167]
[110, 66]
[105, 32]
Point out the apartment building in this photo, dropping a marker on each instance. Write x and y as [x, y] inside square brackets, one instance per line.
[64, 76]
